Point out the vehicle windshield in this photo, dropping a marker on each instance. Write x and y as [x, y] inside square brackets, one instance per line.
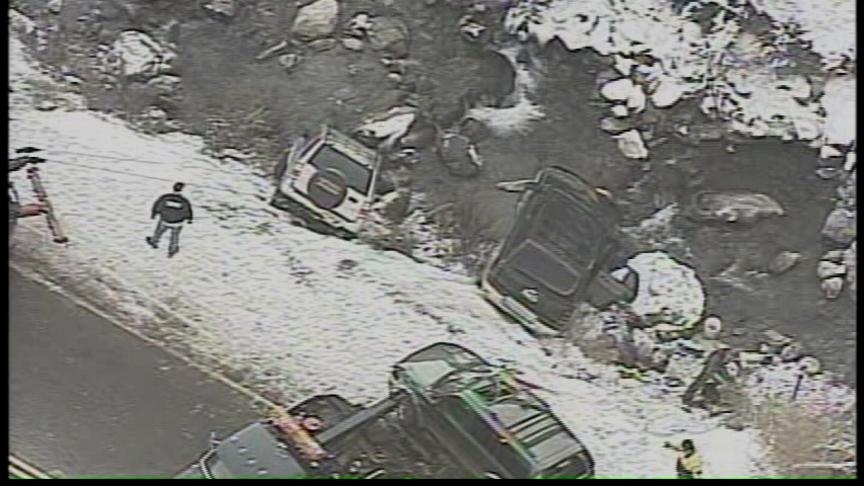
[358, 176]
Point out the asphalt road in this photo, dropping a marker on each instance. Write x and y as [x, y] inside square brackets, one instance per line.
[87, 398]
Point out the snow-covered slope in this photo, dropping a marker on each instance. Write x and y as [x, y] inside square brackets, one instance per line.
[283, 303]
[757, 85]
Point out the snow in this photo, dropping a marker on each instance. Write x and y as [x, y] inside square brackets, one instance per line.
[255, 293]
[740, 78]
[829, 25]
[839, 103]
[666, 283]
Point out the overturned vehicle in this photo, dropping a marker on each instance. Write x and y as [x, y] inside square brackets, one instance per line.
[557, 254]
[328, 183]
[449, 414]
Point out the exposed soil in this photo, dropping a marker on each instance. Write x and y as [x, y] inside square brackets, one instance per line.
[233, 100]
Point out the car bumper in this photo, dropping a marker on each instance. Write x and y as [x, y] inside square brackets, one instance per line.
[514, 309]
[296, 204]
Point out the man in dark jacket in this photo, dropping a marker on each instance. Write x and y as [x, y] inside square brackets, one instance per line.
[173, 209]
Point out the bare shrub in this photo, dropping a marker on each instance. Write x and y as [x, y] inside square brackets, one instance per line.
[599, 348]
[802, 442]
[466, 222]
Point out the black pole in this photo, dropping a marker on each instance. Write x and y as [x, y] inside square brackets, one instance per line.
[797, 386]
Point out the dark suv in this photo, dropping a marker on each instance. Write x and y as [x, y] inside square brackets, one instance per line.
[490, 423]
[556, 254]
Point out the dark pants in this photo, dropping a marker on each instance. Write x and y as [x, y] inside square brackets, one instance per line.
[161, 228]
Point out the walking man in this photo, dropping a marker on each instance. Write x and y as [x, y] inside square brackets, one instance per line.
[689, 464]
[173, 209]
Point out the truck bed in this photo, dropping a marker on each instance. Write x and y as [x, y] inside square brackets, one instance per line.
[370, 442]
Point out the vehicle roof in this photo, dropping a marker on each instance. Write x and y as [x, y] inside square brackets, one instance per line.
[574, 187]
[256, 452]
[350, 147]
[450, 369]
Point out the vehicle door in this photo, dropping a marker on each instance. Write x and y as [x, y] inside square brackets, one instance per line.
[333, 180]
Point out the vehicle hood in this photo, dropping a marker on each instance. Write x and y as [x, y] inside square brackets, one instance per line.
[255, 452]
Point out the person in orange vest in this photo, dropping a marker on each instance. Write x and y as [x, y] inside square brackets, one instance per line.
[689, 463]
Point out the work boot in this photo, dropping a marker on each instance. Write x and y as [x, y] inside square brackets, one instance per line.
[151, 242]
[172, 252]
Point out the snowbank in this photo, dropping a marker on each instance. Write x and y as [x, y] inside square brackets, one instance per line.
[665, 283]
[285, 305]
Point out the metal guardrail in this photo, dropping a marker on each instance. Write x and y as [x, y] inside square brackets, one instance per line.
[19, 469]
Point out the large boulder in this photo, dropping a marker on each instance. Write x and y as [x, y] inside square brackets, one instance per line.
[631, 145]
[495, 76]
[316, 20]
[390, 35]
[850, 260]
[840, 226]
[733, 206]
[459, 154]
[141, 56]
[784, 261]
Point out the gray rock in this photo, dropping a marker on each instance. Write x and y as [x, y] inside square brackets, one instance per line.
[140, 56]
[225, 8]
[829, 269]
[46, 105]
[459, 155]
[289, 61]
[835, 256]
[784, 261]
[850, 260]
[791, 352]
[316, 20]
[321, 45]
[840, 226]
[166, 84]
[832, 287]
[389, 34]
[733, 206]
[827, 172]
[352, 44]
[615, 125]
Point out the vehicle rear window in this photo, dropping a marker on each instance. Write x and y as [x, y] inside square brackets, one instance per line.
[567, 229]
[547, 265]
[357, 176]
